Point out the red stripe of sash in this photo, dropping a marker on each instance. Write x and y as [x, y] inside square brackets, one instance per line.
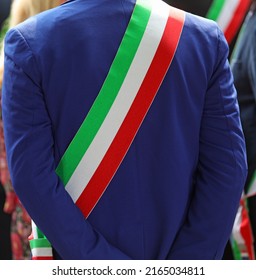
[42, 258]
[237, 20]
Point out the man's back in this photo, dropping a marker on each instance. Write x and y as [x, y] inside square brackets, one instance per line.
[169, 197]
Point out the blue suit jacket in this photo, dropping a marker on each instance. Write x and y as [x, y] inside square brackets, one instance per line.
[176, 193]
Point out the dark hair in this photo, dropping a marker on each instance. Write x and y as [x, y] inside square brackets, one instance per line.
[5, 6]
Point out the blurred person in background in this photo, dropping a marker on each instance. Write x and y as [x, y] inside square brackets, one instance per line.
[21, 222]
[243, 65]
[229, 14]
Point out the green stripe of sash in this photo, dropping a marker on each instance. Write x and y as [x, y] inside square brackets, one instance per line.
[215, 9]
[108, 92]
[39, 243]
[39, 233]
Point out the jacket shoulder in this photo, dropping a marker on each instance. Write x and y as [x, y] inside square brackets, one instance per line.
[203, 40]
[201, 28]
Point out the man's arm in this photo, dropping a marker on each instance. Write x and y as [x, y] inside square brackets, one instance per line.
[221, 170]
[30, 146]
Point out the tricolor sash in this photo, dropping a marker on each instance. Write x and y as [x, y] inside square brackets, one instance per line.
[138, 69]
[229, 15]
[41, 248]
[242, 236]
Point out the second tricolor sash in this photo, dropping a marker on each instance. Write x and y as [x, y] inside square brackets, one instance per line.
[139, 67]
[229, 14]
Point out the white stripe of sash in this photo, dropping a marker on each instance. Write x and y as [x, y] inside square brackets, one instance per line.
[34, 230]
[236, 231]
[123, 101]
[42, 252]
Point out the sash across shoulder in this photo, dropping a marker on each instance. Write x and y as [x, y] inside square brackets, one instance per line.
[137, 71]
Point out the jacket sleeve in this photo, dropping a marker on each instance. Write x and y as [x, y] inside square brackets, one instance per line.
[29, 144]
[221, 169]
